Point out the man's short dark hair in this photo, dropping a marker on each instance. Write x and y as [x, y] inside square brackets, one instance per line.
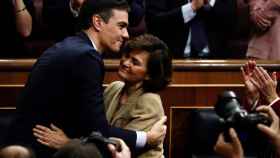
[101, 7]
[159, 67]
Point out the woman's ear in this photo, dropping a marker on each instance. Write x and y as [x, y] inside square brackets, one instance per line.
[97, 22]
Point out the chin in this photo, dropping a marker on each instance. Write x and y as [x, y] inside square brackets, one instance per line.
[121, 75]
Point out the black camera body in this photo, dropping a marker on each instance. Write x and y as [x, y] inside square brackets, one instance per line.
[205, 125]
[228, 108]
[245, 124]
[101, 142]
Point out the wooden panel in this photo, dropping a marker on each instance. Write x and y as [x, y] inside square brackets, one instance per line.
[185, 71]
[197, 94]
[187, 95]
[179, 135]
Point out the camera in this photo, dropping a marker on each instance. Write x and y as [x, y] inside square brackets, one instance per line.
[228, 108]
[205, 125]
[231, 115]
[101, 142]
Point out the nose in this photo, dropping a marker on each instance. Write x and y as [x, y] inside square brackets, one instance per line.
[125, 34]
[126, 62]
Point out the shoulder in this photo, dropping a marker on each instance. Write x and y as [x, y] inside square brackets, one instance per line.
[75, 49]
[150, 97]
[113, 87]
[150, 101]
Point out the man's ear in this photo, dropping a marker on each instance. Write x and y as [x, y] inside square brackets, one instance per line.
[97, 22]
[147, 77]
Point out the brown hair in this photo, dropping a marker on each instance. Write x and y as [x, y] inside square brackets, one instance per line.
[159, 68]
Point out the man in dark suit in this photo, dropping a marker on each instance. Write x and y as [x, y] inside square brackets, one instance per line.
[65, 85]
[171, 20]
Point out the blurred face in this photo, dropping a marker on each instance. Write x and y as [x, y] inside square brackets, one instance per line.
[133, 67]
[114, 32]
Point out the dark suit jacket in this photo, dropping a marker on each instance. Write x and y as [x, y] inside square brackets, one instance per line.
[164, 19]
[276, 107]
[65, 88]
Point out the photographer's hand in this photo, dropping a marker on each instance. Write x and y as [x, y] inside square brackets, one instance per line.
[52, 137]
[124, 153]
[272, 132]
[157, 134]
[231, 149]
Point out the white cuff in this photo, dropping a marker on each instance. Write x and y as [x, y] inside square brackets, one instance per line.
[188, 12]
[275, 100]
[73, 11]
[212, 3]
[141, 139]
[254, 105]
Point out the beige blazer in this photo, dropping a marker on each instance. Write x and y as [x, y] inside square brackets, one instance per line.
[140, 112]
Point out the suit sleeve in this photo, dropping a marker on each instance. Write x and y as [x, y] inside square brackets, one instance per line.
[168, 24]
[276, 107]
[89, 76]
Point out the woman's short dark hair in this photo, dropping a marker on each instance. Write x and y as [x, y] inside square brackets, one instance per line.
[159, 67]
[101, 7]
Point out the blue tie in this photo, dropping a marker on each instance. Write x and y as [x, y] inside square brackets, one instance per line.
[198, 36]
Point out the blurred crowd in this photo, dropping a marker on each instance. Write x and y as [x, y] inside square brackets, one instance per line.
[197, 29]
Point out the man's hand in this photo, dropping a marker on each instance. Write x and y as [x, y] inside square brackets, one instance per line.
[124, 153]
[52, 137]
[231, 149]
[157, 134]
[197, 4]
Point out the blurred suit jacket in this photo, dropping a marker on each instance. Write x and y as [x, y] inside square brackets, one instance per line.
[164, 19]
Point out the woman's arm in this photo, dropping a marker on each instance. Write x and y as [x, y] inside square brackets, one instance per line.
[23, 18]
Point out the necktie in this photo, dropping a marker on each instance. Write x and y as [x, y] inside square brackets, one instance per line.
[198, 35]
